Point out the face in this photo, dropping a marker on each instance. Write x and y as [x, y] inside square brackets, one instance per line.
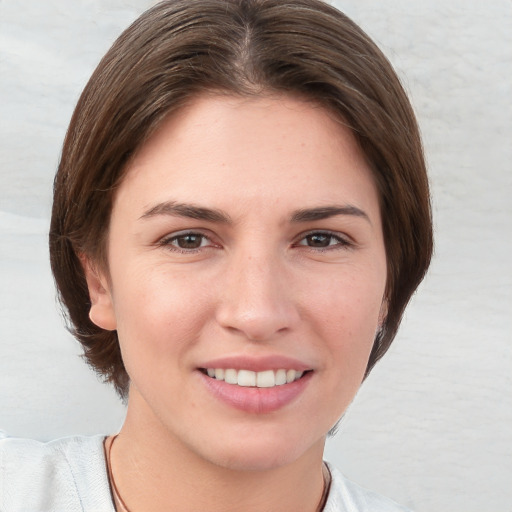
[246, 281]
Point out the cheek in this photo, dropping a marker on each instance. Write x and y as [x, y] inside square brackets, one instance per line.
[346, 314]
[158, 313]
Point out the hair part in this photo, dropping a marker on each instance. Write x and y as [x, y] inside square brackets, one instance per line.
[180, 49]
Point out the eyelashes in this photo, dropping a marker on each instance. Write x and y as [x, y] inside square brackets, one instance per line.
[323, 240]
[187, 242]
[192, 242]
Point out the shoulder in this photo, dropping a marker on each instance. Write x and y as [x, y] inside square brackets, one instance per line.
[68, 474]
[347, 496]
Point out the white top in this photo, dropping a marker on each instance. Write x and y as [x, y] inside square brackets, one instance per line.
[70, 475]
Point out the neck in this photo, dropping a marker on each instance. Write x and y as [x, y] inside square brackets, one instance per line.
[155, 471]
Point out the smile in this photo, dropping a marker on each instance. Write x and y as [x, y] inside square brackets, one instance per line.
[256, 392]
[248, 378]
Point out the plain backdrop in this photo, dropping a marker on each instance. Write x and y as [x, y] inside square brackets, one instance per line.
[431, 427]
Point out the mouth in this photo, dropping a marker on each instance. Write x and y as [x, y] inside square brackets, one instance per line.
[255, 386]
[253, 379]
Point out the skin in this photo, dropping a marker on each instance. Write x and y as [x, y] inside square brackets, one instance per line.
[262, 283]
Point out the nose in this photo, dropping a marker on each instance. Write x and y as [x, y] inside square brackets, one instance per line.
[257, 300]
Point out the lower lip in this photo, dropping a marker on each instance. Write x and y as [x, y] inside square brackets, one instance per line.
[257, 400]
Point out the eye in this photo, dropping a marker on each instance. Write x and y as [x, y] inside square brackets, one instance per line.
[323, 240]
[185, 242]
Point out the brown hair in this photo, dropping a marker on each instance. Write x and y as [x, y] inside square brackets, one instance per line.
[180, 48]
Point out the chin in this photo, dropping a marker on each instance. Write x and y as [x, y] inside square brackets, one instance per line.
[261, 453]
[255, 461]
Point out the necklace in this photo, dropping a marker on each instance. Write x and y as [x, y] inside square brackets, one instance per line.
[117, 497]
[118, 500]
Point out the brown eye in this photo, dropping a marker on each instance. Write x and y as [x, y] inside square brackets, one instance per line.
[324, 240]
[189, 241]
[319, 240]
[185, 242]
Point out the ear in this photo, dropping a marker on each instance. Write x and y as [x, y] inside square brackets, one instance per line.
[102, 308]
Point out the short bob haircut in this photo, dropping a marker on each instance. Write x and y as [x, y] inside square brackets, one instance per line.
[180, 49]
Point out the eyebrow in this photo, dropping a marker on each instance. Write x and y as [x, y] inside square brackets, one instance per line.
[325, 212]
[190, 211]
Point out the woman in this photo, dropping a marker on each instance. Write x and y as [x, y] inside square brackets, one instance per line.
[241, 214]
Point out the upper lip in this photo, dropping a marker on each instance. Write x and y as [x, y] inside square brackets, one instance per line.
[256, 364]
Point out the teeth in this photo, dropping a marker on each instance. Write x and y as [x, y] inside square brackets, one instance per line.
[230, 376]
[265, 379]
[247, 378]
[280, 377]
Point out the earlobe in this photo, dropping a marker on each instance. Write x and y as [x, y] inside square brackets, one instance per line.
[102, 308]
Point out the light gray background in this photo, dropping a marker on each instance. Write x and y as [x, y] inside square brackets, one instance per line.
[432, 425]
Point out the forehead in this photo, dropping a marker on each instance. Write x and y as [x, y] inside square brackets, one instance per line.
[265, 150]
